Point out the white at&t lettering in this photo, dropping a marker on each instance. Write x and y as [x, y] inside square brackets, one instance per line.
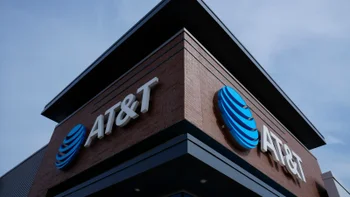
[146, 92]
[267, 144]
[96, 131]
[300, 169]
[111, 116]
[291, 165]
[127, 112]
[122, 112]
[284, 155]
[279, 146]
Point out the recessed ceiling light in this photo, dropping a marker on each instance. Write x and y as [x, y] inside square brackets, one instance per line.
[137, 190]
[203, 181]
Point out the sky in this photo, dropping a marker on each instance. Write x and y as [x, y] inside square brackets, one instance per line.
[44, 45]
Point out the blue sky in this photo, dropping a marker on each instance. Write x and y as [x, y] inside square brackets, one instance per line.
[44, 45]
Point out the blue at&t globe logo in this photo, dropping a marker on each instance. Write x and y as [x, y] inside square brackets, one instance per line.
[237, 118]
[70, 146]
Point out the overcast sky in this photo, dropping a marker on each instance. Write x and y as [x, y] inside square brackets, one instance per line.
[303, 44]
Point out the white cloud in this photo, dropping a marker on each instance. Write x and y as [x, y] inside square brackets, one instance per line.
[334, 140]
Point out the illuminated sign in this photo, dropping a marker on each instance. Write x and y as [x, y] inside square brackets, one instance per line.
[119, 114]
[122, 112]
[241, 125]
[238, 118]
[70, 146]
[281, 153]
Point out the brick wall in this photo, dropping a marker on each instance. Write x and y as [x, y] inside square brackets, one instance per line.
[166, 108]
[189, 78]
[204, 76]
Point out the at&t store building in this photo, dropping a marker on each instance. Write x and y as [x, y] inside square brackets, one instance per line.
[178, 107]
